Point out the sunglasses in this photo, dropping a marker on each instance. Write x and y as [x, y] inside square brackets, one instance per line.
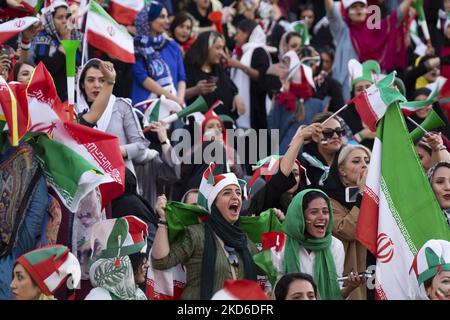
[328, 133]
[232, 257]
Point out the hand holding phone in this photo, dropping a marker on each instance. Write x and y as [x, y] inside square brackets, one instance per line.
[351, 194]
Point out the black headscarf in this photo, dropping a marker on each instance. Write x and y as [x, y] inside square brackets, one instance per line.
[130, 203]
[334, 187]
[233, 236]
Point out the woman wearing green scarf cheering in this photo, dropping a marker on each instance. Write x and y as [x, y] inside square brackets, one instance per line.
[213, 251]
[310, 247]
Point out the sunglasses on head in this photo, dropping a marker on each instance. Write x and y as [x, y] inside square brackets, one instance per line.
[232, 257]
[328, 133]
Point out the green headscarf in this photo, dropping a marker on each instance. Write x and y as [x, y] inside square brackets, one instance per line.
[325, 274]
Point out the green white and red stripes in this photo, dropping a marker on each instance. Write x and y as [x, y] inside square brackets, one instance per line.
[371, 104]
[399, 211]
[80, 158]
[270, 259]
[124, 11]
[105, 34]
[411, 107]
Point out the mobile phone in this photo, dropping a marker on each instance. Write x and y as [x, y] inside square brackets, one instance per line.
[212, 79]
[351, 193]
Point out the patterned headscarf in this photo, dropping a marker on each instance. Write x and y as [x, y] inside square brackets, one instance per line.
[117, 280]
[148, 47]
[50, 25]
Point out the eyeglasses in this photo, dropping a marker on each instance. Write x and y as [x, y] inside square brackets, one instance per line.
[328, 133]
[232, 257]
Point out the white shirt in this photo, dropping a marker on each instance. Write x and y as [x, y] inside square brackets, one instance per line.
[337, 251]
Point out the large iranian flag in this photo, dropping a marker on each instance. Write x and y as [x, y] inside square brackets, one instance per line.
[104, 165]
[372, 103]
[124, 11]
[105, 34]
[399, 211]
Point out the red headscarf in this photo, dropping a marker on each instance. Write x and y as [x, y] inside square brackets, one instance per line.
[210, 115]
[385, 44]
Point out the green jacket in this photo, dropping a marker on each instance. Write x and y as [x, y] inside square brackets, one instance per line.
[189, 251]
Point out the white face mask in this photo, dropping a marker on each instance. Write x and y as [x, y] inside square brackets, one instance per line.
[212, 134]
[353, 11]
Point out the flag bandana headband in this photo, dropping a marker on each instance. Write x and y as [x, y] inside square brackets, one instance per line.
[368, 71]
[211, 185]
[318, 164]
[431, 259]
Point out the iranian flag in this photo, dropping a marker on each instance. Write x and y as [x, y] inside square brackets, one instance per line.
[124, 11]
[14, 109]
[25, 9]
[410, 107]
[105, 34]
[104, 165]
[13, 27]
[444, 97]
[270, 259]
[372, 103]
[399, 211]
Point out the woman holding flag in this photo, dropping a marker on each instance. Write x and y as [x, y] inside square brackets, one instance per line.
[212, 251]
[95, 83]
[358, 37]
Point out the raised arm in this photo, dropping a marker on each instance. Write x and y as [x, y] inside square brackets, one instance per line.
[303, 134]
[101, 102]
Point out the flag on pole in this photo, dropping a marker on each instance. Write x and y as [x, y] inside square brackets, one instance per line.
[14, 109]
[105, 34]
[100, 149]
[13, 27]
[372, 103]
[399, 211]
[124, 11]
[410, 107]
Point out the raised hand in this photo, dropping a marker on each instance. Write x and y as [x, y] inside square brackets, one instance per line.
[160, 205]
[107, 68]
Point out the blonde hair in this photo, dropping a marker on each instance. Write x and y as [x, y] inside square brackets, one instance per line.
[345, 151]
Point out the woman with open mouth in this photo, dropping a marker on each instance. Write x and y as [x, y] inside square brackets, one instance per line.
[212, 251]
[310, 247]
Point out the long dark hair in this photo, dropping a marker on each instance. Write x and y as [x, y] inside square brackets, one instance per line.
[198, 54]
[282, 286]
[247, 26]
[94, 63]
[179, 19]
[19, 65]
